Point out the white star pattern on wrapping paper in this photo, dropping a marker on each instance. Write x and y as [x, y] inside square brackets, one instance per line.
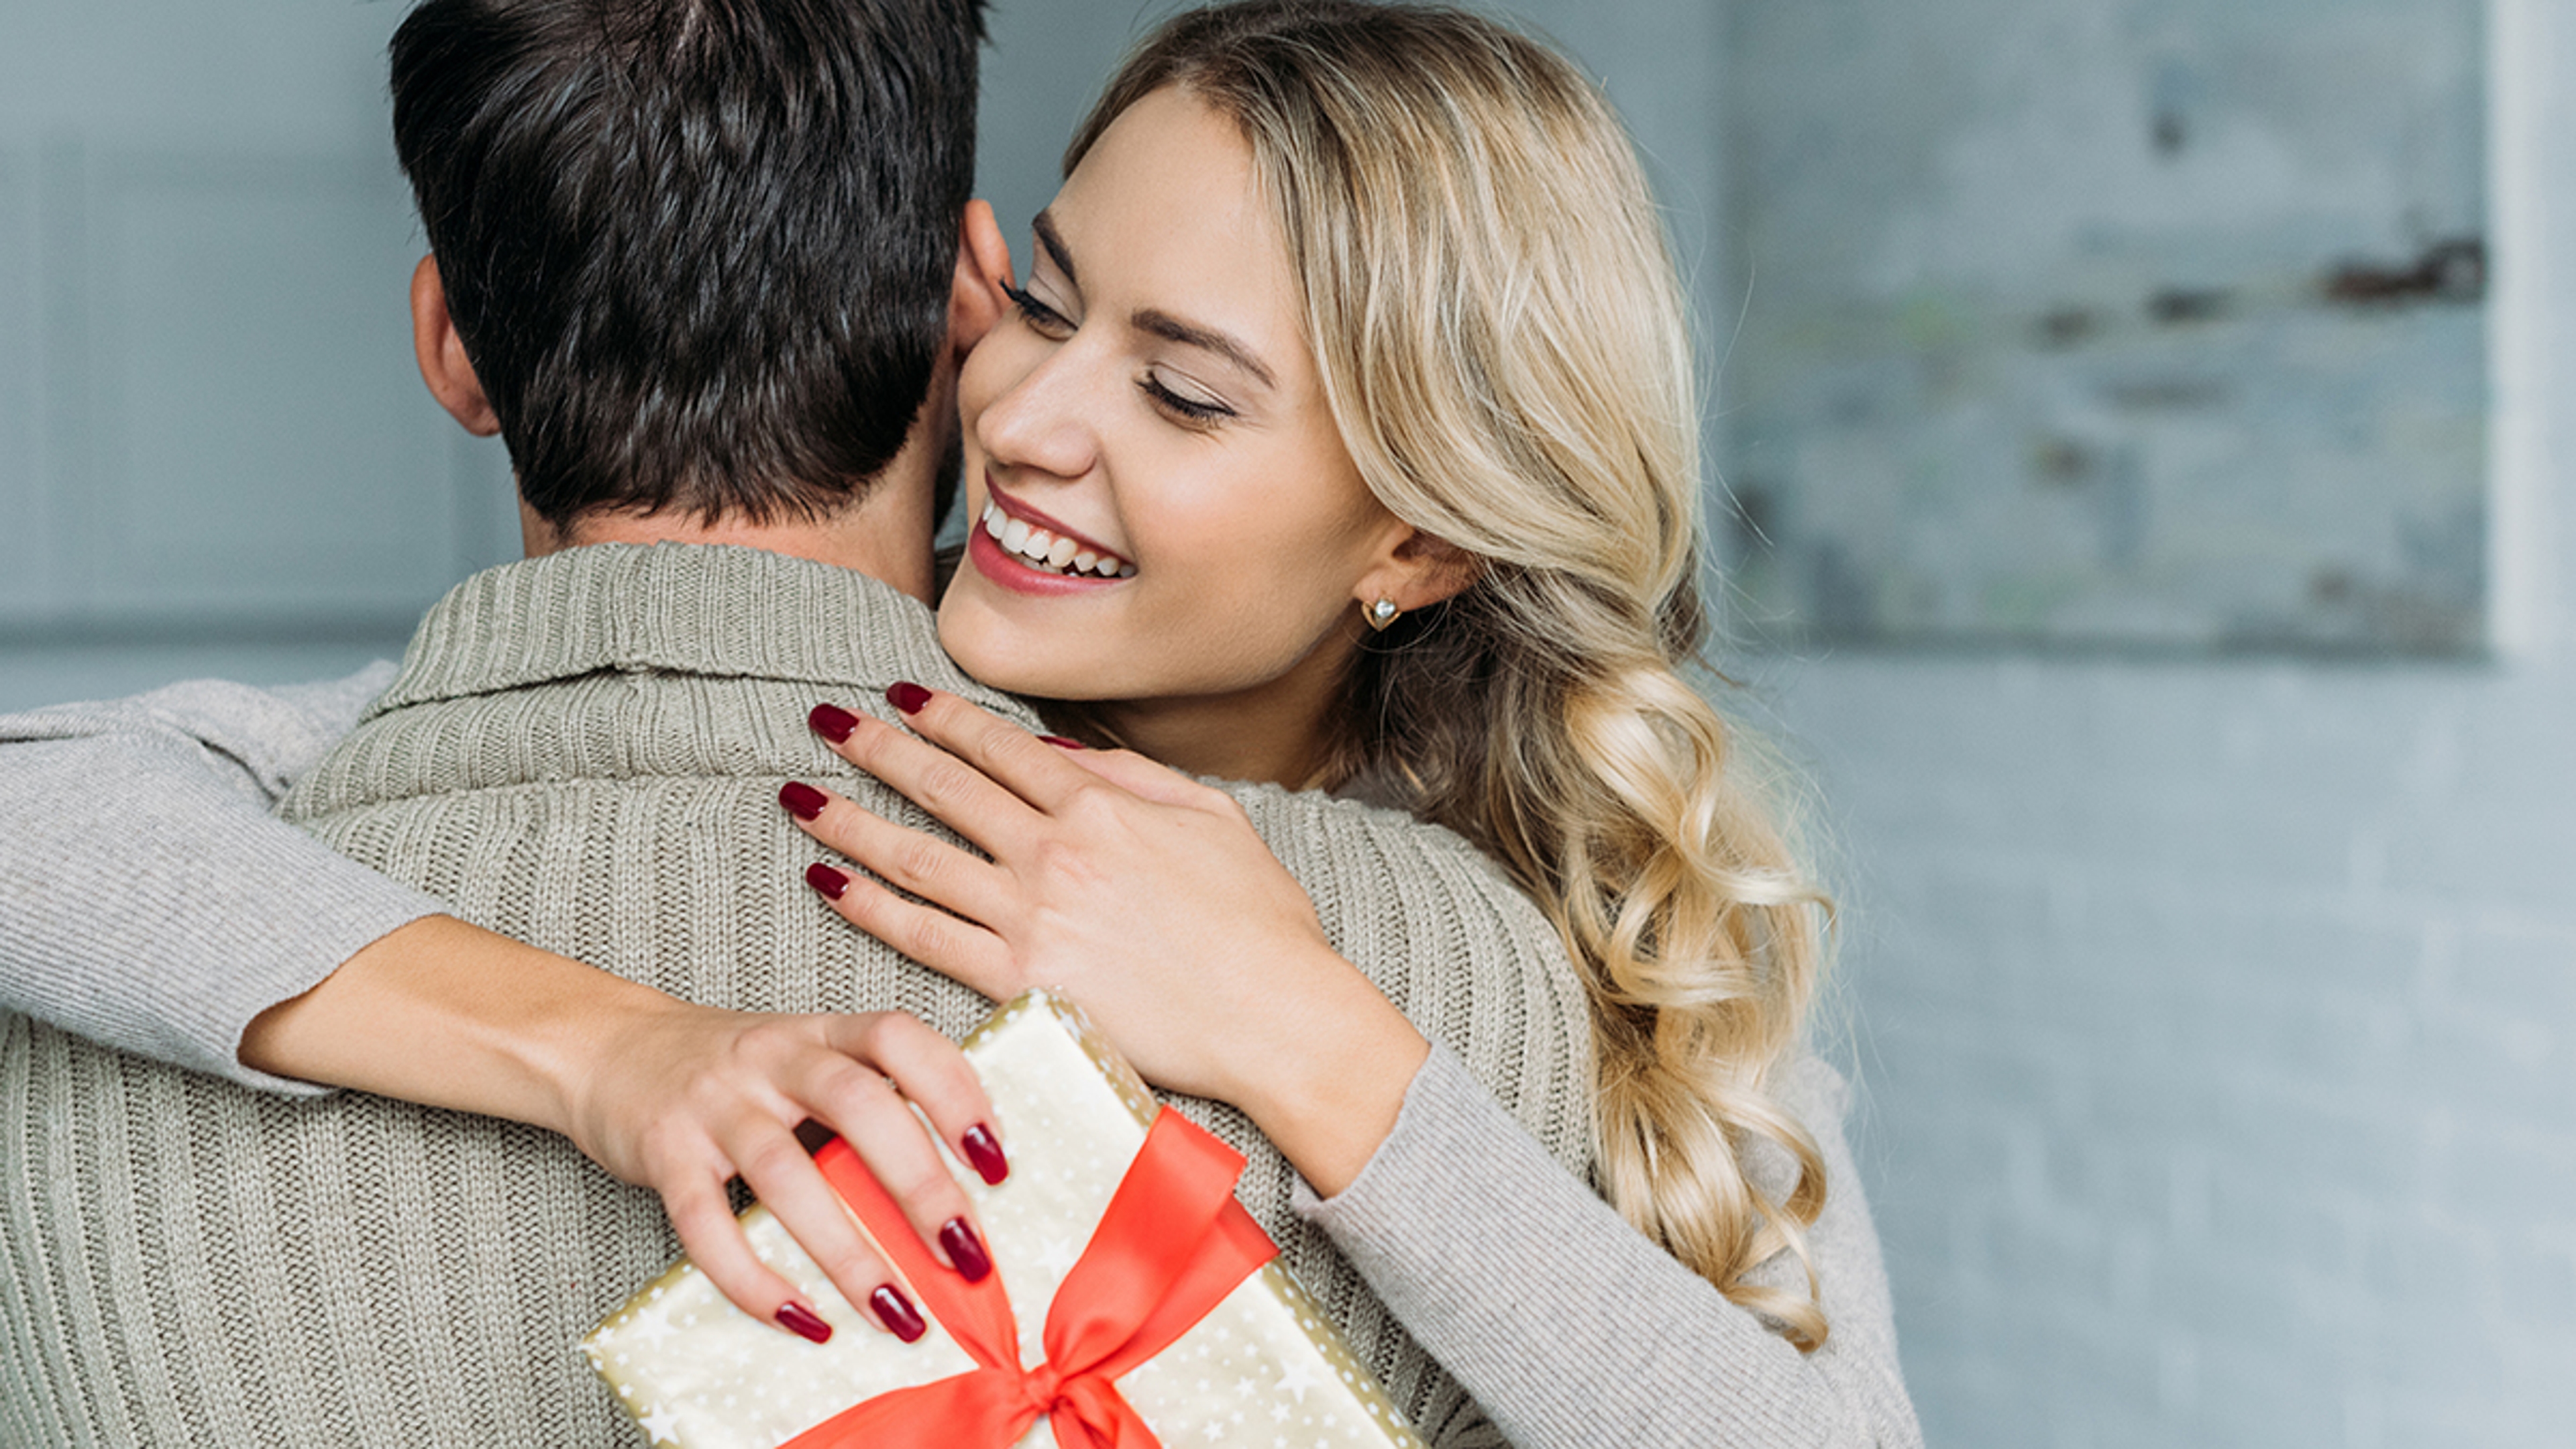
[1037, 1222]
[661, 1424]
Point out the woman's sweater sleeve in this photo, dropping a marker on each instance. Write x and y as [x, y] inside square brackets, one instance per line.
[1570, 1328]
[148, 898]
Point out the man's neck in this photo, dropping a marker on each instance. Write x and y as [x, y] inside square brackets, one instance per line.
[885, 535]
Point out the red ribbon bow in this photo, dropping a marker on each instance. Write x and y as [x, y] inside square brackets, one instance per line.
[1173, 1243]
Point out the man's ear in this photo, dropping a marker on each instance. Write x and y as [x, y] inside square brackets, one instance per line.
[443, 363]
[1416, 571]
[976, 300]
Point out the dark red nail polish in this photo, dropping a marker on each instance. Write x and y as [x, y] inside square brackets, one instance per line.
[798, 1319]
[802, 800]
[827, 880]
[832, 722]
[985, 1154]
[965, 1250]
[897, 1313]
[907, 696]
[1061, 743]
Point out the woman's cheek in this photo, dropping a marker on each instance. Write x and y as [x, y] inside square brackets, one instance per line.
[1007, 354]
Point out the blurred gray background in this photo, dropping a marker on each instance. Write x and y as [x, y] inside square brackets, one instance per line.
[2215, 1021]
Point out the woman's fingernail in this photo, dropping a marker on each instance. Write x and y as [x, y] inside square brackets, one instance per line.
[827, 880]
[965, 1250]
[802, 800]
[832, 722]
[907, 696]
[1061, 743]
[800, 1320]
[897, 1313]
[984, 1154]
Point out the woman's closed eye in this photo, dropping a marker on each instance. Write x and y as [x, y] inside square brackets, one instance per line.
[1045, 320]
[1184, 407]
[1193, 411]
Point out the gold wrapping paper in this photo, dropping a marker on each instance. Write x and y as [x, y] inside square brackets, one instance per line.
[1263, 1368]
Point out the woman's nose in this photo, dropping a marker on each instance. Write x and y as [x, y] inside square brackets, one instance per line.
[1045, 422]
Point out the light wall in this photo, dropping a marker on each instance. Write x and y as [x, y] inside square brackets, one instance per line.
[2219, 1020]
[215, 456]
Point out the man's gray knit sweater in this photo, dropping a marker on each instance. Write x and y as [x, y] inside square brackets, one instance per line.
[584, 751]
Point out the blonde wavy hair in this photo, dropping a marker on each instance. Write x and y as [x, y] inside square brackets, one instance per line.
[1502, 337]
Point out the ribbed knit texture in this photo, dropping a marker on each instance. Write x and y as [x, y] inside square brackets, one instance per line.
[584, 751]
[166, 795]
[1576, 1331]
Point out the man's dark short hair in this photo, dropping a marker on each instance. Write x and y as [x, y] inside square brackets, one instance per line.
[699, 251]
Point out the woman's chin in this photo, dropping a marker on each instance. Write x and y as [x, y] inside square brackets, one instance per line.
[999, 653]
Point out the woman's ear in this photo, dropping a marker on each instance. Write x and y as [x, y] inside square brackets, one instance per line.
[976, 300]
[1417, 571]
[443, 363]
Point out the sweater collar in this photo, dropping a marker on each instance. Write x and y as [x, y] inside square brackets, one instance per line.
[715, 610]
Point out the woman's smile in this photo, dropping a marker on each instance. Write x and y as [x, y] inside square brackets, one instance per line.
[1041, 542]
[1023, 550]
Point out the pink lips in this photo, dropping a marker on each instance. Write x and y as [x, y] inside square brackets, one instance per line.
[1035, 519]
[1008, 570]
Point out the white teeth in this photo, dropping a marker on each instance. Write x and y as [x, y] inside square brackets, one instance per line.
[1044, 549]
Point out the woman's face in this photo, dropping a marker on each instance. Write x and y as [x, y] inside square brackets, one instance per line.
[1181, 529]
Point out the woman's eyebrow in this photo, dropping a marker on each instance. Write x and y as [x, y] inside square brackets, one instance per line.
[1154, 320]
[1165, 325]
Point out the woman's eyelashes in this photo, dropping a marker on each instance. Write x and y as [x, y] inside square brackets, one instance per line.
[1047, 322]
[1193, 411]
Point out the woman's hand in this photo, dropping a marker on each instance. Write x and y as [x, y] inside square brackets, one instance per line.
[1138, 893]
[682, 1098]
[664, 1094]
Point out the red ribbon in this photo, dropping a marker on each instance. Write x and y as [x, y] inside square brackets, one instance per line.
[1172, 1245]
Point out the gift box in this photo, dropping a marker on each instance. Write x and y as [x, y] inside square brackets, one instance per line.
[1121, 1208]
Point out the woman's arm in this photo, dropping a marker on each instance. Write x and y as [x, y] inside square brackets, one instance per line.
[150, 901]
[1570, 1328]
[1147, 898]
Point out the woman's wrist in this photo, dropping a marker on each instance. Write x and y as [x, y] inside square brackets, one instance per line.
[449, 1014]
[1326, 1084]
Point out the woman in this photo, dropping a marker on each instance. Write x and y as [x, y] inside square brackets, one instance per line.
[1487, 454]
[1316, 454]
[1472, 428]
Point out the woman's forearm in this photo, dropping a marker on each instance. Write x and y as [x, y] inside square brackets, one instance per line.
[449, 1014]
[148, 900]
[1325, 1079]
[1570, 1328]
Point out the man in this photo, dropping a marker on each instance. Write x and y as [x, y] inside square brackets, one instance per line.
[708, 267]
